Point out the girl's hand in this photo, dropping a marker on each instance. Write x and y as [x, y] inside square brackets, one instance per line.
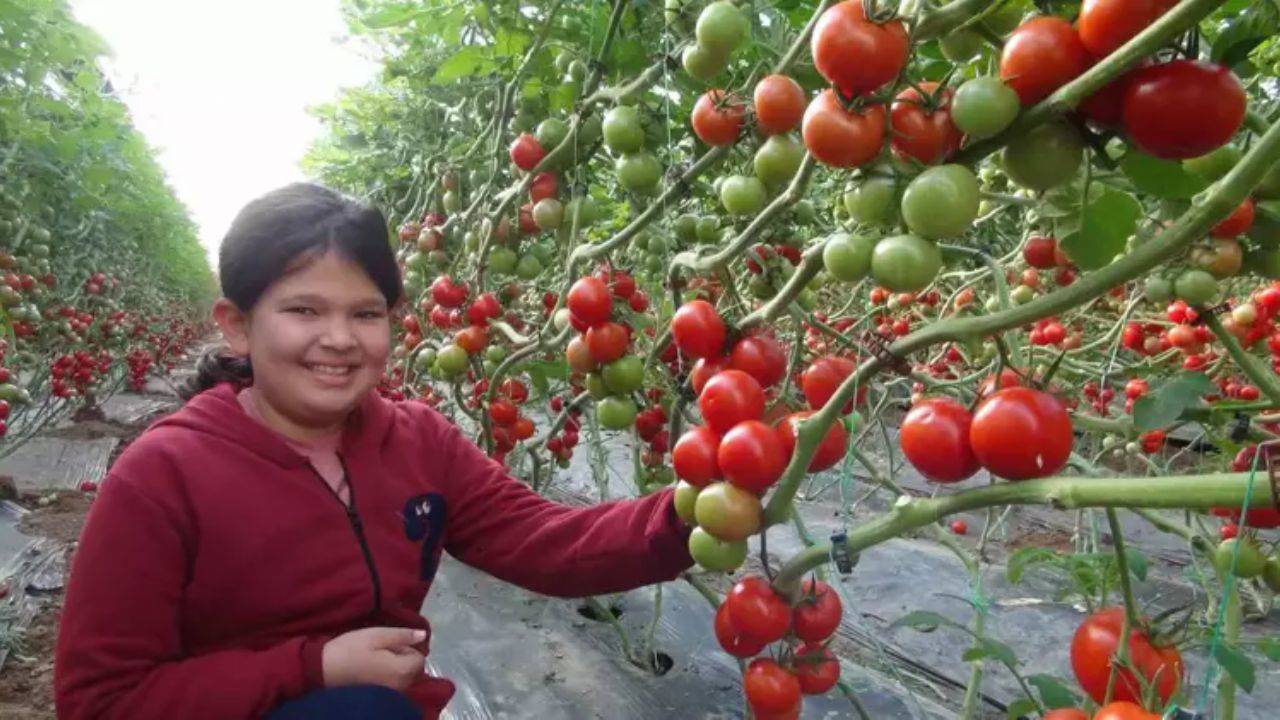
[374, 656]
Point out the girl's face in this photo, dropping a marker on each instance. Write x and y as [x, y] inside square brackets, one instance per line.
[318, 338]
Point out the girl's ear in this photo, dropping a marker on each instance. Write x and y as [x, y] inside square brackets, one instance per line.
[234, 324]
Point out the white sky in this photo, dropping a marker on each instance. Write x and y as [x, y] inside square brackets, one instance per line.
[221, 89]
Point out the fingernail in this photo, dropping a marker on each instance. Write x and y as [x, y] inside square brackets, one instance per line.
[419, 635]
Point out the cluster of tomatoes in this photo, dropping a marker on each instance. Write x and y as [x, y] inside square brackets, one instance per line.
[600, 349]
[561, 446]
[508, 425]
[754, 616]
[1016, 433]
[140, 362]
[77, 371]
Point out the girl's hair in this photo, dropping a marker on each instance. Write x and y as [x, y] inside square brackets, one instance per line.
[270, 234]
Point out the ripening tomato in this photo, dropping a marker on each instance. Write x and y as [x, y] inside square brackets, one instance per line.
[1105, 25]
[694, 456]
[607, 342]
[1042, 55]
[1096, 641]
[717, 120]
[729, 398]
[1020, 433]
[698, 330]
[760, 356]
[590, 301]
[544, 186]
[817, 616]
[751, 455]
[1122, 710]
[1155, 117]
[473, 339]
[820, 381]
[757, 611]
[526, 152]
[854, 53]
[779, 103]
[817, 668]
[770, 688]
[730, 639]
[704, 370]
[839, 137]
[922, 126]
[935, 439]
[830, 451]
[1039, 252]
[1237, 223]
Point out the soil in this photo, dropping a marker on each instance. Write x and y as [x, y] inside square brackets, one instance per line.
[26, 684]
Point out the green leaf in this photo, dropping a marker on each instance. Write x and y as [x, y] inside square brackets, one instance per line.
[1108, 221]
[1270, 647]
[988, 648]
[1164, 404]
[1020, 708]
[1052, 692]
[392, 15]
[467, 61]
[924, 621]
[1237, 665]
[1161, 178]
[1024, 558]
[1137, 564]
[1242, 33]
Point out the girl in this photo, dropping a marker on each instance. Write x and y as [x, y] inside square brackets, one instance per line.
[265, 550]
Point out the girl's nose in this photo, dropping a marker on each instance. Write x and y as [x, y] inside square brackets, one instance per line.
[338, 334]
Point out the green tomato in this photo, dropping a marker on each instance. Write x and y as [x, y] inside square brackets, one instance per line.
[703, 63]
[423, 361]
[1045, 157]
[624, 375]
[941, 202]
[563, 58]
[807, 299]
[961, 45]
[1271, 573]
[686, 496]
[590, 130]
[451, 202]
[655, 264]
[594, 383]
[728, 512]
[721, 27]
[616, 412]
[848, 257]
[1008, 16]
[623, 129]
[905, 263]
[657, 245]
[686, 227]
[529, 267]
[452, 360]
[548, 214]
[742, 195]
[1158, 290]
[1020, 295]
[714, 554]
[1196, 287]
[638, 172]
[417, 261]
[1250, 563]
[471, 240]
[984, 106]
[503, 260]
[577, 71]
[545, 251]
[551, 132]
[760, 288]
[871, 202]
[582, 210]
[778, 159]
[708, 229]
[1213, 165]
[805, 212]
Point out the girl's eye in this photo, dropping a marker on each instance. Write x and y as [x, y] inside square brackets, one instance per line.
[371, 315]
[301, 310]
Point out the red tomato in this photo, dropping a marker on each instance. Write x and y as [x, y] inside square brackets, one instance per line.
[855, 54]
[1155, 116]
[927, 135]
[704, 370]
[1042, 55]
[717, 121]
[503, 413]
[1237, 223]
[935, 439]
[817, 616]
[769, 687]
[1020, 433]
[751, 455]
[1105, 107]
[607, 342]
[1038, 252]
[473, 339]
[526, 152]
[842, 138]
[730, 639]
[757, 611]
[544, 186]
[522, 429]
[830, 451]
[639, 301]
[1122, 711]
[1105, 25]
[1066, 714]
[694, 456]
[730, 397]
[698, 330]
[816, 668]
[779, 103]
[579, 356]
[1096, 641]
[820, 380]
[590, 301]
[761, 357]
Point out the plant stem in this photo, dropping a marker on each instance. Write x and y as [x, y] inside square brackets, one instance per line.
[1130, 607]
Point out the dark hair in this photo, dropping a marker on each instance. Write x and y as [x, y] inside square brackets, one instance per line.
[271, 233]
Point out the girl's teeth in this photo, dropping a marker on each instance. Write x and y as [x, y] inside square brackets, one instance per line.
[331, 369]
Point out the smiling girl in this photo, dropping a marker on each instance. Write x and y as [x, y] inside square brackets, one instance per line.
[265, 551]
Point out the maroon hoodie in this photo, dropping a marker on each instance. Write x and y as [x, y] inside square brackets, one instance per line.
[215, 562]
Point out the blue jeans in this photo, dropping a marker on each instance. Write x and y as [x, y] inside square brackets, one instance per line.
[353, 702]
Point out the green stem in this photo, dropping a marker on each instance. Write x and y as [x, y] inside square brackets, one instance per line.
[1130, 606]
[1226, 701]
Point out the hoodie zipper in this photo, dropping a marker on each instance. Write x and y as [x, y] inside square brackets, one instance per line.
[357, 526]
